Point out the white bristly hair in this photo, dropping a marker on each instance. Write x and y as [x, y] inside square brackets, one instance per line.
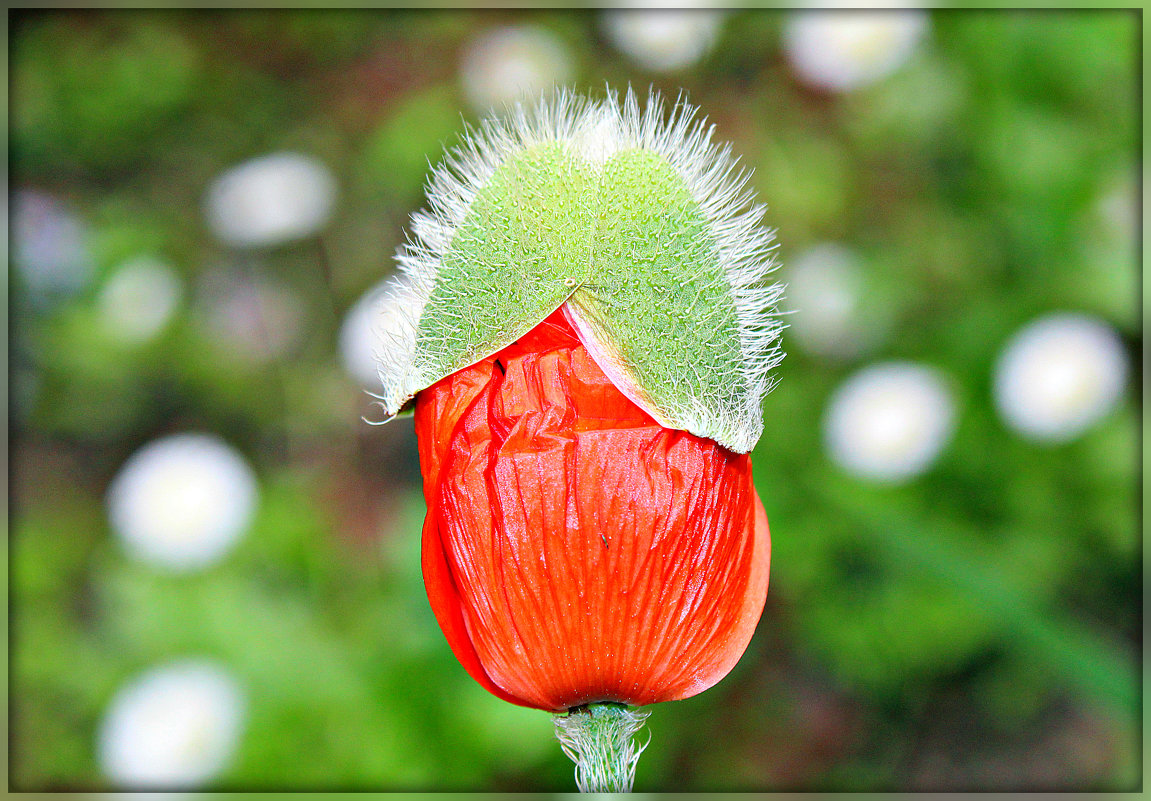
[746, 249]
[601, 739]
[595, 131]
[451, 190]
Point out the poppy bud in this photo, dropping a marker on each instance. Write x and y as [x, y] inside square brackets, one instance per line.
[584, 331]
[576, 551]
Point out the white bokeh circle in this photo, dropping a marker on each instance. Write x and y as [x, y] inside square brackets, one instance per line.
[503, 65]
[1059, 375]
[139, 299]
[375, 323]
[183, 501]
[271, 200]
[663, 39]
[174, 727]
[840, 50]
[889, 421]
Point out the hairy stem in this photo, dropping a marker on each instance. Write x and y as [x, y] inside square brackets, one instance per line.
[600, 740]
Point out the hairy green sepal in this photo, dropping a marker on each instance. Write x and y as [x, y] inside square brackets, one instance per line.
[630, 248]
[517, 256]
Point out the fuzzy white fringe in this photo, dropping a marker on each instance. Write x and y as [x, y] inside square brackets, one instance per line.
[595, 130]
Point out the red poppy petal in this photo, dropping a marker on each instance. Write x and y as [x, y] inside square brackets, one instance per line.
[575, 550]
[445, 404]
[627, 578]
[734, 638]
[445, 601]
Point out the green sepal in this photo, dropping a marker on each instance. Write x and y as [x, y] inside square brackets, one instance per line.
[642, 227]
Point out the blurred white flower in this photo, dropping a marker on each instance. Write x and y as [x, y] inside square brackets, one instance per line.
[174, 727]
[663, 39]
[374, 322]
[358, 339]
[825, 287]
[840, 50]
[49, 245]
[889, 421]
[1059, 375]
[138, 300]
[255, 317]
[503, 65]
[181, 502]
[1118, 208]
[271, 200]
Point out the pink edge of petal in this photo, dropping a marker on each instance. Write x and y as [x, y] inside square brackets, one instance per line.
[761, 570]
[610, 364]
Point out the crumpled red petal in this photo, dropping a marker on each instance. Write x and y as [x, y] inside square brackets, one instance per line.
[575, 550]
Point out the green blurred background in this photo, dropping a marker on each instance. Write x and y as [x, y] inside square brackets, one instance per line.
[975, 626]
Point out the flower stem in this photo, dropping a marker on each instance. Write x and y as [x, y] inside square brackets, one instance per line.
[600, 740]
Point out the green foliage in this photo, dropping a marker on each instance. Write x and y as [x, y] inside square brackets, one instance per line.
[94, 102]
